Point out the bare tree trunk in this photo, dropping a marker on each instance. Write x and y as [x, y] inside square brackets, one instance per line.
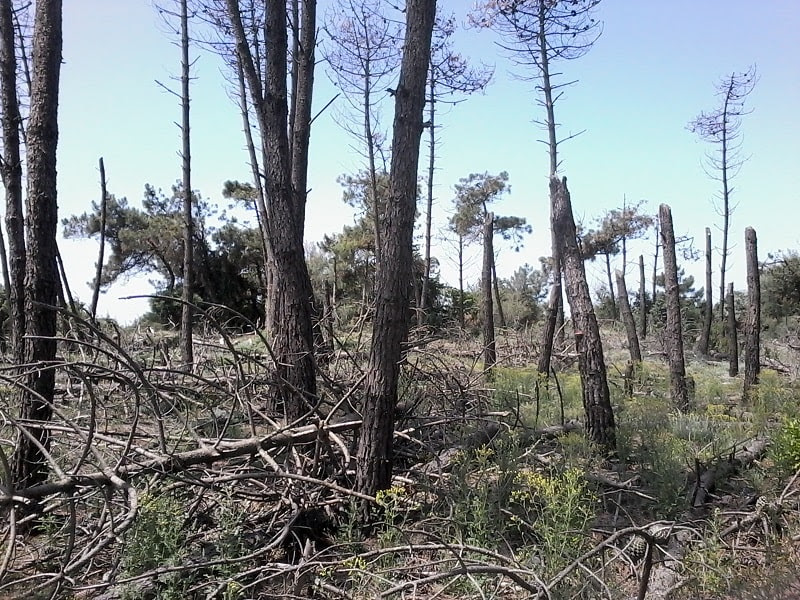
[11, 168]
[4, 265]
[41, 276]
[591, 363]
[627, 318]
[733, 341]
[461, 299]
[655, 262]
[673, 332]
[187, 355]
[429, 213]
[642, 300]
[261, 207]
[752, 343]
[551, 320]
[98, 276]
[393, 278]
[489, 349]
[614, 309]
[708, 313]
[496, 287]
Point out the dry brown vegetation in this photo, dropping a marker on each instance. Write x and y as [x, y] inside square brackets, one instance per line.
[170, 485]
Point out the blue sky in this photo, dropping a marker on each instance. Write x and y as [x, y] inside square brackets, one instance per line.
[652, 71]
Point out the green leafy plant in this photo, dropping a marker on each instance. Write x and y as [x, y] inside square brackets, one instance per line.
[785, 449]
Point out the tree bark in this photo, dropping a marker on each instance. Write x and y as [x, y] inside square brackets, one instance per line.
[550, 323]
[429, 212]
[642, 300]
[708, 313]
[11, 169]
[614, 309]
[187, 354]
[733, 341]
[627, 318]
[461, 298]
[752, 343]
[599, 424]
[41, 273]
[489, 348]
[673, 331]
[293, 341]
[393, 278]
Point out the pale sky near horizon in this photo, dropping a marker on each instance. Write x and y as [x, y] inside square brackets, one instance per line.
[650, 73]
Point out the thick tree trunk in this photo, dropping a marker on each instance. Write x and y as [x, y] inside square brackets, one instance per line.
[627, 318]
[673, 331]
[733, 338]
[591, 363]
[11, 169]
[187, 354]
[642, 300]
[393, 277]
[752, 342]
[293, 341]
[41, 274]
[708, 313]
[489, 349]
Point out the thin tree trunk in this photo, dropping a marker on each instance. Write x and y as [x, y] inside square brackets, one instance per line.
[41, 274]
[4, 265]
[11, 168]
[627, 318]
[733, 341]
[461, 299]
[187, 354]
[429, 212]
[551, 320]
[708, 313]
[726, 207]
[261, 207]
[501, 316]
[489, 349]
[752, 343]
[642, 300]
[552, 147]
[655, 262]
[673, 332]
[614, 309]
[101, 251]
[393, 277]
[599, 414]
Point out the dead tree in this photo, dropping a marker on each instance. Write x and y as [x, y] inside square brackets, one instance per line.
[449, 79]
[642, 300]
[187, 354]
[733, 341]
[705, 332]
[752, 341]
[538, 33]
[599, 415]
[673, 330]
[722, 128]
[627, 318]
[393, 278]
[489, 349]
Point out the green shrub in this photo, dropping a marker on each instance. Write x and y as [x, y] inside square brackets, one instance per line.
[785, 449]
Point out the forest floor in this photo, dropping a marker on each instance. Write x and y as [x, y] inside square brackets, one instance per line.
[168, 485]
